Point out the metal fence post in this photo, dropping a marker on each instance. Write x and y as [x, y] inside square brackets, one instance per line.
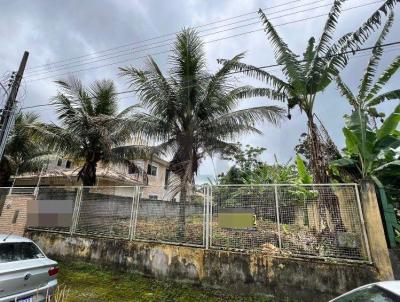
[75, 214]
[137, 194]
[360, 212]
[207, 217]
[277, 217]
[131, 220]
[204, 215]
[210, 216]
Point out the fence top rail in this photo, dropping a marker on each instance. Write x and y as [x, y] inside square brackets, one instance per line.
[195, 186]
[287, 185]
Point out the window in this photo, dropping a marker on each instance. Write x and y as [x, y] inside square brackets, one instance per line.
[153, 196]
[59, 162]
[151, 170]
[17, 251]
[68, 164]
[133, 169]
[167, 174]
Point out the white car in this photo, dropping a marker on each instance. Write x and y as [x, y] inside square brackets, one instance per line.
[26, 274]
[387, 291]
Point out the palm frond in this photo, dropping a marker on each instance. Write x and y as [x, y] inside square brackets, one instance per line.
[384, 78]
[346, 92]
[327, 33]
[283, 55]
[377, 53]
[390, 95]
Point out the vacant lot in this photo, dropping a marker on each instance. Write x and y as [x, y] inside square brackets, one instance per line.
[93, 283]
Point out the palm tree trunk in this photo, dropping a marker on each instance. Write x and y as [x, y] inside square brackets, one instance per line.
[88, 174]
[327, 199]
[182, 211]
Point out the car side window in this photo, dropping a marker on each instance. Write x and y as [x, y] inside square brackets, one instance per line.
[370, 294]
[17, 251]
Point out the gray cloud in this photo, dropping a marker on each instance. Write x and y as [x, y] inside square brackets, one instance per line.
[54, 30]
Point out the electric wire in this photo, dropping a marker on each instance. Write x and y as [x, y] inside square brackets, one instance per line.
[390, 44]
[128, 52]
[206, 42]
[166, 35]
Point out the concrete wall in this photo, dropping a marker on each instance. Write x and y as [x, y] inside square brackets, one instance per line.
[296, 279]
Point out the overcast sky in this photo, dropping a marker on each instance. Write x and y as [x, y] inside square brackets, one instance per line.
[58, 30]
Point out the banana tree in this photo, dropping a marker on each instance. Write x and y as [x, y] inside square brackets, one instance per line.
[368, 95]
[372, 152]
[303, 79]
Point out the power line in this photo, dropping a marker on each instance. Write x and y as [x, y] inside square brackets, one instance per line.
[164, 35]
[396, 43]
[131, 51]
[210, 41]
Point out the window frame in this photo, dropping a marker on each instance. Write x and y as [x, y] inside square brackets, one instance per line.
[150, 170]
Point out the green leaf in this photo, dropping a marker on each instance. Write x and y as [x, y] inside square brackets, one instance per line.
[352, 142]
[387, 165]
[344, 162]
[390, 124]
[304, 176]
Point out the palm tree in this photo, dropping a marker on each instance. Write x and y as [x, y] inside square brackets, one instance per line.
[91, 129]
[191, 112]
[24, 150]
[368, 97]
[320, 64]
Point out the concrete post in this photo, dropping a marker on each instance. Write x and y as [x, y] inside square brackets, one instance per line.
[375, 231]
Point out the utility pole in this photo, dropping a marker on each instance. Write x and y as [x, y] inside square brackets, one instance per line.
[7, 118]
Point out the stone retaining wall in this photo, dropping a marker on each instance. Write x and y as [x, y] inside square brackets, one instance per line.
[297, 279]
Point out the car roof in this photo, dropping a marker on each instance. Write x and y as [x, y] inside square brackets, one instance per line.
[392, 286]
[12, 238]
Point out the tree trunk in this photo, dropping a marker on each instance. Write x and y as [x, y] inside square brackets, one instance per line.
[317, 162]
[327, 199]
[182, 211]
[88, 174]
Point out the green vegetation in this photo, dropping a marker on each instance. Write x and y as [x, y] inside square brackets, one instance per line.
[25, 150]
[93, 283]
[368, 96]
[192, 112]
[91, 129]
[304, 79]
[249, 169]
[373, 153]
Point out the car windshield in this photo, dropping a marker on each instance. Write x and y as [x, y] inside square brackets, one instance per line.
[16, 251]
[370, 294]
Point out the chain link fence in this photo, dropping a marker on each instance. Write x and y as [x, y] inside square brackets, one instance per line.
[300, 220]
[316, 220]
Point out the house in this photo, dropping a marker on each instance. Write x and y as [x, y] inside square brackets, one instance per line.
[152, 175]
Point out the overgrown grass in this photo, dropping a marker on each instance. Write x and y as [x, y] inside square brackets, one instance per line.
[92, 283]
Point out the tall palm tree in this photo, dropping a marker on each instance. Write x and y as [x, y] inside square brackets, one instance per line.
[91, 130]
[320, 64]
[24, 150]
[368, 96]
[191, 112]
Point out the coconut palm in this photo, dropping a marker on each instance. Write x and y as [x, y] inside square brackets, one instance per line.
[91, 130]
[368, 96]
[24, 150]
[191, 112]
[306, 77]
